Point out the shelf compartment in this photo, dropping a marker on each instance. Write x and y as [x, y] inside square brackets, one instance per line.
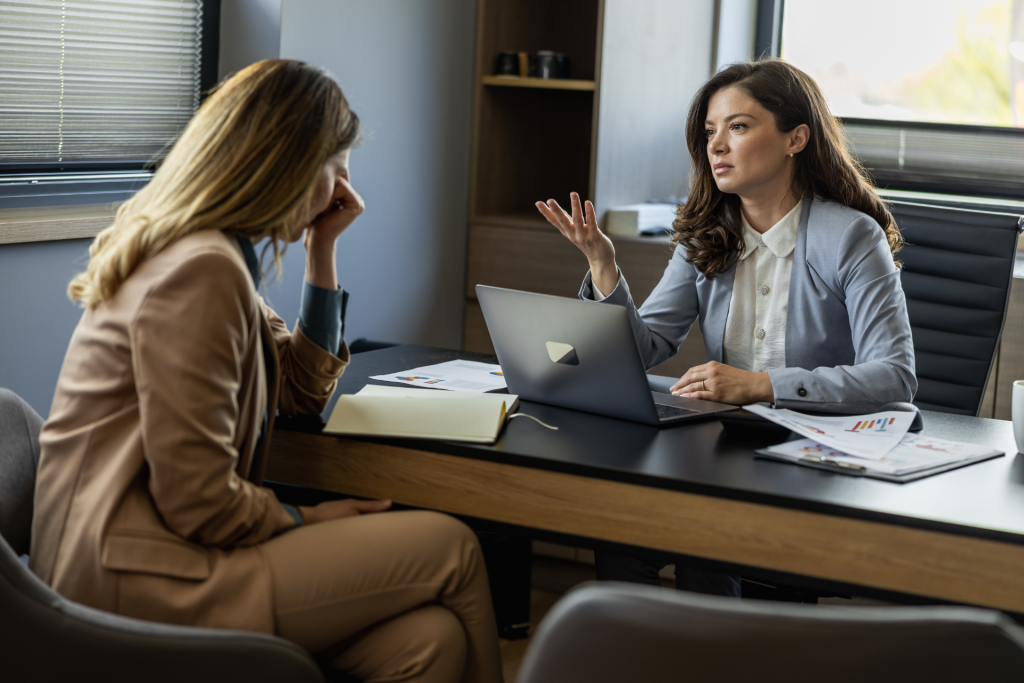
[532, 145]
[528, 82]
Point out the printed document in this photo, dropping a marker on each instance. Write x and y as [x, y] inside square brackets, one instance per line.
[912, 454]
[455, 375]
[865, 436]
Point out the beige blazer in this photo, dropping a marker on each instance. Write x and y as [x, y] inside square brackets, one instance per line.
[147, 500]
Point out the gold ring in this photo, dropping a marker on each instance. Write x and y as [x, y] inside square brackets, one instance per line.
[702, 387]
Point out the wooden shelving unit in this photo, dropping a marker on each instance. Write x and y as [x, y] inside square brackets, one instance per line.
[549, 83]
[535, 139]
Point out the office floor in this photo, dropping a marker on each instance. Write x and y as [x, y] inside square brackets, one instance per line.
[552, 578]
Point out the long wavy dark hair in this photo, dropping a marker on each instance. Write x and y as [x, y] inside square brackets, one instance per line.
[709, 225]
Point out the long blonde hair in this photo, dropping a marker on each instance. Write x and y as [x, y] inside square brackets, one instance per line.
[246, 163]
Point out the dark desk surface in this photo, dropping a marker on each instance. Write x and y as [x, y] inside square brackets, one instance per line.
[983, 500]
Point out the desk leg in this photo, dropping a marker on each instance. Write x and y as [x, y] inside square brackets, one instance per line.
[509, 566]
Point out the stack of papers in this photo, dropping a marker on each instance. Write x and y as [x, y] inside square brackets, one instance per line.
[913, 454]
[640, 219]
[873, 445]
[455, 375]
[865, 436]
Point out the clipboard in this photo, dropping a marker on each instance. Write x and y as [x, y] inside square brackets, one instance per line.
[863, 471]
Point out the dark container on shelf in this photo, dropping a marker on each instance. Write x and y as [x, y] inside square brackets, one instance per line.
[546, 64]
[507, 64]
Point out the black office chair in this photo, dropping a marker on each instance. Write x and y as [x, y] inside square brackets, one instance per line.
[611, 633]
[956, 275]
[44, 637]
[957, 270]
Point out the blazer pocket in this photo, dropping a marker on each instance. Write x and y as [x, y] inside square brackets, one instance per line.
[160, 556]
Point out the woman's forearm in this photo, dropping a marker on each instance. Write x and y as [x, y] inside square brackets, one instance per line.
[321, 266]
[605, 277]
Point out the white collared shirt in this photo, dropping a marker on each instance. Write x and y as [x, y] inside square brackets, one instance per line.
[755, 328]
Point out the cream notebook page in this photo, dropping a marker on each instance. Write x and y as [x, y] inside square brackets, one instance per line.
[420, 413]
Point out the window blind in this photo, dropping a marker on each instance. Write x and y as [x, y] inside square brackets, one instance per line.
[98, 81]
[987, 161]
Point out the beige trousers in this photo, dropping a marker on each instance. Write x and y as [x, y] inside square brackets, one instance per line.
[392, 596]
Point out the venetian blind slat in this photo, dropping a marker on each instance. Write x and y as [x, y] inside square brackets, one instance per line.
[101, 80]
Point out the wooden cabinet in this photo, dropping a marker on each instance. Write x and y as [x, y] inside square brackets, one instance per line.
[614, 132]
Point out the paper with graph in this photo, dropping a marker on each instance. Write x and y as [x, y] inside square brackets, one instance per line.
[455, 375]
[865, 436]
[913, 454]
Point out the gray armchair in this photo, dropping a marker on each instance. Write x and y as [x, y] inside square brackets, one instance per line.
[622, 632]
[44, 637]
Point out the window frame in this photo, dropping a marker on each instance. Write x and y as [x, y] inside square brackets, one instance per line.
[768, 42]
[62, 183]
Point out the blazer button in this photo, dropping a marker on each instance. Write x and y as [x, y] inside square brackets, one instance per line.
[801, 391]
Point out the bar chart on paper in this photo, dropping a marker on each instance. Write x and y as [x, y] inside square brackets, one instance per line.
[872, 425]
[865, 436]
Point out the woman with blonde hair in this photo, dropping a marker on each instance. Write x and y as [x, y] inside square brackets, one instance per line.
[148, 498]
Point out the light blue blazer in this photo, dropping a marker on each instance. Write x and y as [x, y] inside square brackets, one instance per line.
[848, 340]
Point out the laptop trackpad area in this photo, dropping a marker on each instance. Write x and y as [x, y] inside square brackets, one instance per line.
[693, 405]
[668, 412]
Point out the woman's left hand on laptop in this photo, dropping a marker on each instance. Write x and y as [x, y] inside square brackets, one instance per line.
[722, 383]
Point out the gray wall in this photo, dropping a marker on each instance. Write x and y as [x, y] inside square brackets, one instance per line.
[36, 316]
[250, 30]
[406, 68]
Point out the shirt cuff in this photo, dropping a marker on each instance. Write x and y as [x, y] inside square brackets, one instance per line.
[294, 512]
[598, 296]
[322, 316]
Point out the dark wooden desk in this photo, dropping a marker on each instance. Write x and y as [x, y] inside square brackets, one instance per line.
[697, 491]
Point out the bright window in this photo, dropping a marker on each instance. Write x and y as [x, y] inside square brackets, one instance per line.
[941, 61]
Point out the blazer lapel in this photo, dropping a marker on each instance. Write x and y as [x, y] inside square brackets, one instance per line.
[273, 367]
[716, 310]
[798, 283]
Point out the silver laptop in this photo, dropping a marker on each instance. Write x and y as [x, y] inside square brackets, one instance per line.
[579, 355]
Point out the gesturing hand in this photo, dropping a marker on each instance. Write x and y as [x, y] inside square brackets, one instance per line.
[336, 509]
[715, 381]
[587, 236]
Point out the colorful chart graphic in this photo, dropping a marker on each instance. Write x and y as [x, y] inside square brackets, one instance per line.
[409, 378]
[872, 425]
[933, 447]
[434, 381]
[498, 374]
[820, 450]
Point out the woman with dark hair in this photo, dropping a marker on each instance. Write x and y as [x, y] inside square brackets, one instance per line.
[148, 500]
[785, 255]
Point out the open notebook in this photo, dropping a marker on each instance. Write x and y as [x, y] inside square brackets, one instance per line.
[412, 413]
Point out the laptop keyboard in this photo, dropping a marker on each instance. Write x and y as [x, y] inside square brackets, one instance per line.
[672, 411]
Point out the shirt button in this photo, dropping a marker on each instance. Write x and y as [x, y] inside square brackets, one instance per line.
[763, 289]
[759, 333]
[801, 391]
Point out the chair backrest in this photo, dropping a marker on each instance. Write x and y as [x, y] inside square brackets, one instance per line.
[618, 632]
[19, 457]
[44, 637]
[957, 269]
